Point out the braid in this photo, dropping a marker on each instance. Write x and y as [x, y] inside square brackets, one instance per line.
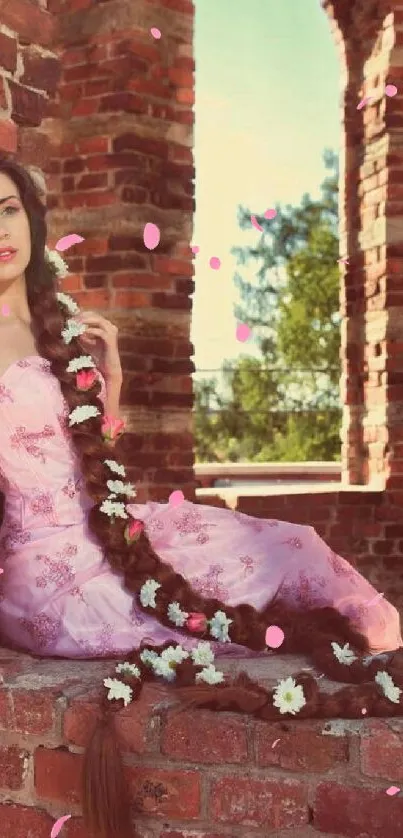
[310, 633]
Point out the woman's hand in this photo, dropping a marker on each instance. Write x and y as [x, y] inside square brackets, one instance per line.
[101, 340]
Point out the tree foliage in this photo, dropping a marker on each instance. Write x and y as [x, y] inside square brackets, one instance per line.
[284, 404]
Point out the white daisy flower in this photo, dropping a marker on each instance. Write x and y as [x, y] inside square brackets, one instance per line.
[81, 363]
[147, 593]
[147, 656]
[120, 488]
[166, 663]
[61, 267]
[82, 413]
[344, 654]
[288, 697]
[176, 654]
[116, 467]
[113, 509]
[219, 626]
[128, 669]
[210, 675]
[202, 654]
[117, 689]
[176, 615]
[67, 301]
[387, 686]
[72, 329]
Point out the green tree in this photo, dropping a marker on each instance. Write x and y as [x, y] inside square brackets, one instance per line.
[283, 405]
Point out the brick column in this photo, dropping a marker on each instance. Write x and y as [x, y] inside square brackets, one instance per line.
[369, 36]
[123, 122]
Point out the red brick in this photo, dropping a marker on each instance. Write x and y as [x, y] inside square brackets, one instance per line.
[13, 763]
[58, 775]
[131, 299]
[27, 106]
[170, 794]
[30, 22]
[8, 136]
[205, 738]
[24, 822]
[355, 812]
[40, 71]
[382, 752]
[270, 803]
[299, 748]
[8, 53]
[34, 711]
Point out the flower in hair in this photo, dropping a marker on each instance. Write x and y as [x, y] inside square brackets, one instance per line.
[60, 267]
[210, 675]
[288, 697]
[219, 626]
[176, 615]
[115, 467]
[202, 654]
[197, 622]
[128, 669]
[112, 428]
[147, 593]
[148, 656]
[344, 654]
[117, 690]
[120, 488]
[165, 664]
[72, 329]
[389, 689]
[82, 413]
[85, 379]
[68, 302]
[113, 509]
[133, 531]
[80, 363]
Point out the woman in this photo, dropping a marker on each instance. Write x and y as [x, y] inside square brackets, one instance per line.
[85, 574]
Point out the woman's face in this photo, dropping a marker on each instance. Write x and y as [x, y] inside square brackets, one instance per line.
[14, 233]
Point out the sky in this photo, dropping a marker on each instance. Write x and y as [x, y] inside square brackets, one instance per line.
[267, 105]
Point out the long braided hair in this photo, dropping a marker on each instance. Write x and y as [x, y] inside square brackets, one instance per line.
[310, 633]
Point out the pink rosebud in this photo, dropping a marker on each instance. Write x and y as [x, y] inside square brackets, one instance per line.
[133, 531]
[196, 622]
[85, 379]
[112, 428]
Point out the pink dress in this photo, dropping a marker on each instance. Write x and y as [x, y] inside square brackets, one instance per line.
[58, 594]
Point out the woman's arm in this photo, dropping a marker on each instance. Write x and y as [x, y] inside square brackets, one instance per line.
[113, 387]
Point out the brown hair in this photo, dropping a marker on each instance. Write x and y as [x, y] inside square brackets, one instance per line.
[310, 633]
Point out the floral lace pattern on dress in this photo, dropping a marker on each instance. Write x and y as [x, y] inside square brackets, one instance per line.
[102, 645]
[191, 521]
[210, 585]
[43, 630]
[28, 440]
[5, 394]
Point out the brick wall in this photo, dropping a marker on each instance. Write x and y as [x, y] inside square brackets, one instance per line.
[193, 775]
[106, 112]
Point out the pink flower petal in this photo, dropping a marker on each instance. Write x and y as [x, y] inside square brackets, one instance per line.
[364, 711]
[392, 790]
[274, 637]
[243, 332]
[344, 260]
[151, 236]
[176, 498]
[270, 213]
[275, 743]
[68, 241]
[256, 224]
[156, 33]
[5, 310]
[58, 825]
[391, 90]
[195, 248]
[215, 263]
[365, 101]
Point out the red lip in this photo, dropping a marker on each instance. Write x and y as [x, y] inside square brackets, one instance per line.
[7, 250]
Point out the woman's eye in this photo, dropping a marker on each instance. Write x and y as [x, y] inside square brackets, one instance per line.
[11, 210]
